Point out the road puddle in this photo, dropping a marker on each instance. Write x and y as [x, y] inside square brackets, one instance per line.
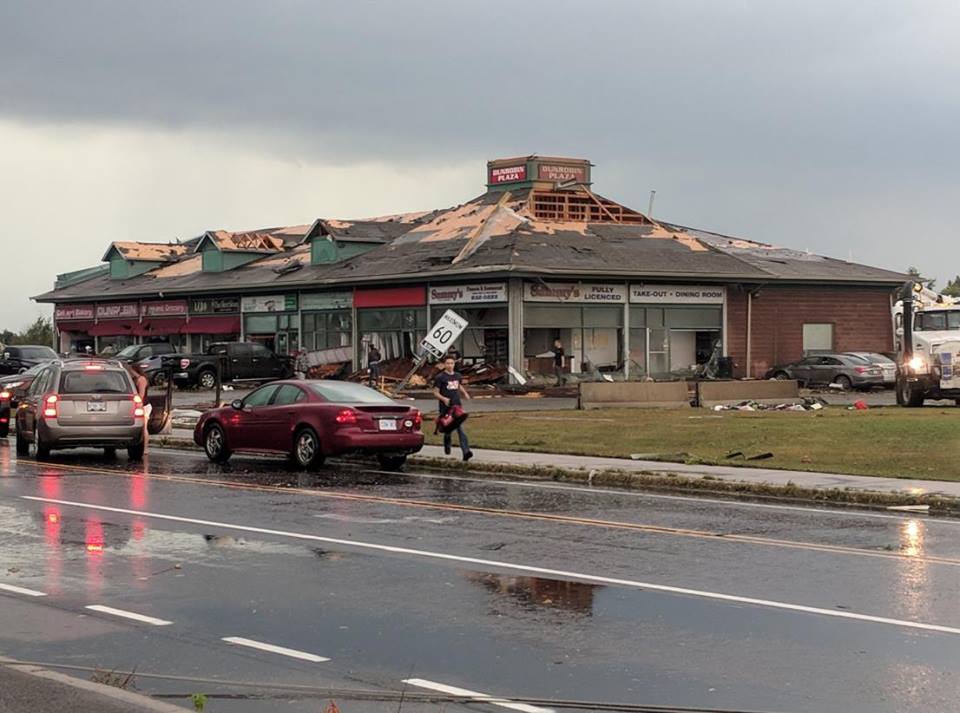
[538, 592]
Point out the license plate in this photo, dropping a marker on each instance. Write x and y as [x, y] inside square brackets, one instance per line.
[388, 424]
[96, 406]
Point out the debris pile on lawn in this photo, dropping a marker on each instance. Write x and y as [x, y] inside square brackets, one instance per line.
[393, 371]
[185, 417]
[336, 370]
[807, 403]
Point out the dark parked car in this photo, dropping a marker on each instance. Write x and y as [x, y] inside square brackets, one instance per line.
[81, 402]
[887, 365]
[238, 360]
[12, 389]
[848, 371]
[17, 359]
[138, 352]
[309, 420]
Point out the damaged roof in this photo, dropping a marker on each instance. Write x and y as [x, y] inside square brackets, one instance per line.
[493, 234]
[147, 252]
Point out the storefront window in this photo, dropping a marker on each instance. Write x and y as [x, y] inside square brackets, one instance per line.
[327, 329]
[486, 338]
[672, 341]
[395, 332]
[592, 336]
[279, 333]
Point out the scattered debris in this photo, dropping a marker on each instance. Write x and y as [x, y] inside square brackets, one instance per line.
[860, 405]
[807, 403]
[909, 508]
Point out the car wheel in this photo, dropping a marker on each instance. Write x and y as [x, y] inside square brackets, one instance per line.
[907, 395]
[207, 379]
[23, 446]
[215, 444]
[844, 382]
[306, 449]
[159, 380]
[781, 376]
[110, 452]
[43, 449]
[391, 462]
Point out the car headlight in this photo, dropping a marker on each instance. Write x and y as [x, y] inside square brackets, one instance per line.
[917, 364]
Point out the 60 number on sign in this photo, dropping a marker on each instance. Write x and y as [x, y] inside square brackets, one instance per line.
[444, 333]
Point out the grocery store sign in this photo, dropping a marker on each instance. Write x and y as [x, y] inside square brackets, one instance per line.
[167, 308]
[64, 313]
[269, 303]
[574, 292]
[326, 300]
[118, 310]
[677, 294]
[468, 294]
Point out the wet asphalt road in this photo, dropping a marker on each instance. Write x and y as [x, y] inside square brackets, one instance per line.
[515, 589]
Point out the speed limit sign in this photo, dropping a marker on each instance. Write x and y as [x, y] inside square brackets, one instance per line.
[444, 333]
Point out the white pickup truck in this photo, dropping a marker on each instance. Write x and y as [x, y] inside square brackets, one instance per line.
[928, 367]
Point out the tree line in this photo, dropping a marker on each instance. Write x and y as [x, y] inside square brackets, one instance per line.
[40, 333]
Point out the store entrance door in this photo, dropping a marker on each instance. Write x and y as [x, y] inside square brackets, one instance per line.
[287, 342]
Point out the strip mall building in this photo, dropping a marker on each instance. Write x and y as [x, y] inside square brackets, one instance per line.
[538, 256]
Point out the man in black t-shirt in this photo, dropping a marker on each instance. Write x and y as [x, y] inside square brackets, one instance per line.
[448, 389]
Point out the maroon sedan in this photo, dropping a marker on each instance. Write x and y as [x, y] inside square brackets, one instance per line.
[310, 420]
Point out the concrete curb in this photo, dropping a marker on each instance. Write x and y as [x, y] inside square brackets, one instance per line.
[666, 481]
[136, 701]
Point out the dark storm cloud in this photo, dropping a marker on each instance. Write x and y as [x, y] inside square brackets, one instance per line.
[818, 124]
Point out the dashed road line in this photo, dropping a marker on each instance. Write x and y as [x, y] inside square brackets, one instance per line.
[128, 615]
[475, 696]
[274, 649]
[516, 567]
[22, 590]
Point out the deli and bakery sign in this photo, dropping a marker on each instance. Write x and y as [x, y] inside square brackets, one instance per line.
[508, 174]
[165, 308]
[326, 300]
[468, 294]
[118, 310]
[214, 305]
[574, 292]
[677, 294]
[66, 313]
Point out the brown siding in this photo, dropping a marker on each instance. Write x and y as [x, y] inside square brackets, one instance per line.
[860, 318]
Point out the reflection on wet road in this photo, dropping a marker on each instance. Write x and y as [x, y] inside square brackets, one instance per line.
[357, 578]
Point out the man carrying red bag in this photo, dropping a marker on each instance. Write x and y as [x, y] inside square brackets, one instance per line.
[448, 388]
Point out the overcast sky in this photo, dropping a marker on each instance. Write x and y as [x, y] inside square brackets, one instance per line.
[829, 126]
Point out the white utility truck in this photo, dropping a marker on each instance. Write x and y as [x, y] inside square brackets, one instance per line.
[928, 346]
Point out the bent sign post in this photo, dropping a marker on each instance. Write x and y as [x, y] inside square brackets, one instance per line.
[439, 339]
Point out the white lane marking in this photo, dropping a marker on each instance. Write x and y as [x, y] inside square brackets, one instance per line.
[22, 590]
[531, 569]
[479, 697]
[282, 650]
[128, 615]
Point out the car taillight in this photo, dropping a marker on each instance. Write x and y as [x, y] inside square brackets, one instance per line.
[861, 369]
[50, 406]
[4, 394]
[137, 406]
[346, 417]
[417, 418]
[184, 363]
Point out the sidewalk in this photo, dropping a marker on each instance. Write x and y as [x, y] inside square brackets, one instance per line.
[30, 689]
[757, 476]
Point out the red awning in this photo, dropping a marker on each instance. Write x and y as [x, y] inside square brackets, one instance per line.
[115, 327]
[391, 297]
[76, 326]
[213, 324]
[163, 325]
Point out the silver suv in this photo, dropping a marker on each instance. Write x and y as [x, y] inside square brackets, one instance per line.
[81, 402]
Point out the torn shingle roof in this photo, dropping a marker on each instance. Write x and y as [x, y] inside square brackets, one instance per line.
[148, 252]
[493, 234]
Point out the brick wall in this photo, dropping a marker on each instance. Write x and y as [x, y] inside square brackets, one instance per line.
[860, 318]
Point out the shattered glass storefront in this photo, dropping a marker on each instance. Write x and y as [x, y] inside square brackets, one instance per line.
[486, 338]
[394, 320]
[586, 318]
[674, 329]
